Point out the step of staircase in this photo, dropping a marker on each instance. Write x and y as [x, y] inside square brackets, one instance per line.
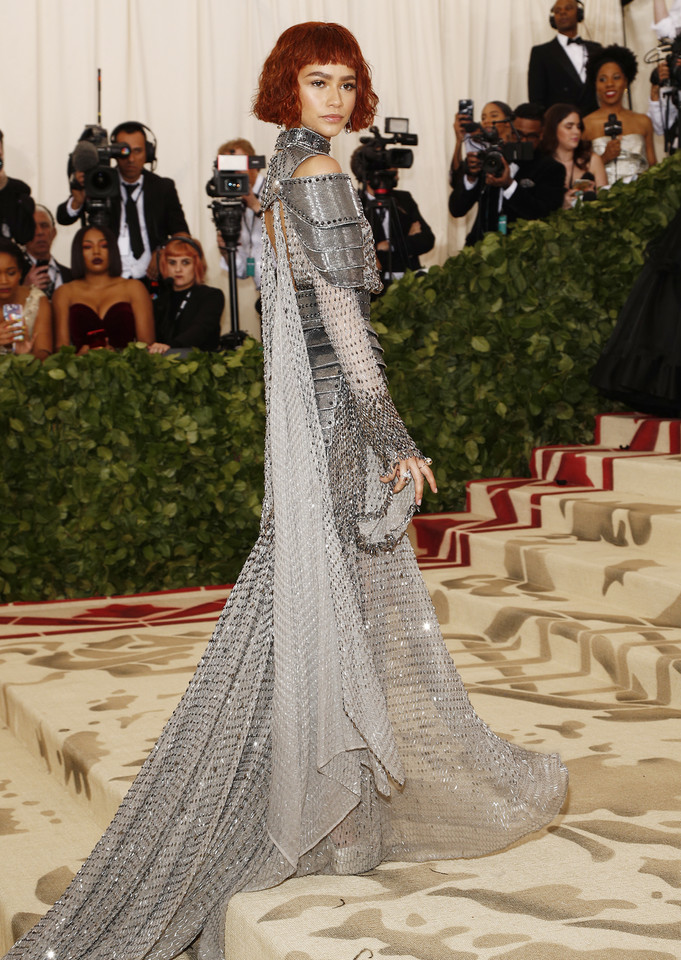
[630, 579]
[46, 835]
[569, 583]
[86, 709]
[561, 646]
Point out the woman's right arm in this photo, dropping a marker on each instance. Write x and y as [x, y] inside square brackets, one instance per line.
[60, 306]
[42, 330]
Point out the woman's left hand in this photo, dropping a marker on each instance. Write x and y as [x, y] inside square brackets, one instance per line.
[158, 347]
[412, 469]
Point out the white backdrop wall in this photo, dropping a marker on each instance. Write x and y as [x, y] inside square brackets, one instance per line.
[189, 68]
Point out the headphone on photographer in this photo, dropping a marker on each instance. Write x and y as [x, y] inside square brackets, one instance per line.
[134, 126]
[580, 14]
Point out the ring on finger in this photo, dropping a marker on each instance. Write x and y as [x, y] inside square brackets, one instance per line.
[405, 475]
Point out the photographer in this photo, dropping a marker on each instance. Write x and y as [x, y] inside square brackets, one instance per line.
[239, 222]
[144, 212]
[400, 233]
[663, 106]
[249, 251]
[16, 204]
[45, 272]
[528, 187]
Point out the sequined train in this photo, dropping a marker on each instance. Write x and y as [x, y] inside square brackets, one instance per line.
[326, 728]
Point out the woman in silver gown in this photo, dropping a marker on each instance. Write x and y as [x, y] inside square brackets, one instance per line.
[326, 728]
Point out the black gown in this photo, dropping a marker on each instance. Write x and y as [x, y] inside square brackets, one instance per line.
[641, 362]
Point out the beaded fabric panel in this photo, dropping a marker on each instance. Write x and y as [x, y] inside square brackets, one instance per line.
[326, 727]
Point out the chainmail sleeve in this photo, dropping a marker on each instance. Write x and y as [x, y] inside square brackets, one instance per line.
[325, 223]
[351, 338]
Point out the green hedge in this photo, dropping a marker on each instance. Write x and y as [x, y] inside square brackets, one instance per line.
[490, 354]
[127, 473]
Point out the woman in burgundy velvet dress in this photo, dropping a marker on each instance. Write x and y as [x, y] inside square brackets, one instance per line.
[99, 308]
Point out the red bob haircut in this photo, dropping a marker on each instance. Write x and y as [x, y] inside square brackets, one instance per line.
[181, 245]
[277, 99]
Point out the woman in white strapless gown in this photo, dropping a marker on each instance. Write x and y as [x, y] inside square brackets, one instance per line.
[628, 152]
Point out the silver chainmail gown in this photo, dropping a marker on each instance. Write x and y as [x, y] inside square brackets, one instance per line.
[326, 727]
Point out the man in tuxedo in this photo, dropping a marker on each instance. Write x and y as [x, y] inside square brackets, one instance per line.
[145, 213]
[528, 189]
[557, 72]
[45, 272]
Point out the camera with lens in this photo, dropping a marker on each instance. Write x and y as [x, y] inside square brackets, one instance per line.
[492, 151]
[92, 157]
[228, 186]
[230, 175]
[379, 157]
[670, 52]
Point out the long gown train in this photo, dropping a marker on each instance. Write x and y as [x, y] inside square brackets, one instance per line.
[326, 727]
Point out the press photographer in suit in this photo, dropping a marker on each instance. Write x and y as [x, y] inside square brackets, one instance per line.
[557, 72]
[146, 211]
[400, 232]
[526, 188]
[45, 272]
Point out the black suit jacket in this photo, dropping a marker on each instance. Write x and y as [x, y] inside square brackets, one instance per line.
[162, 210]
[552, 78]
[66, 275]
[198, 324]
[16, 211]
[541, 187]
[406, 248]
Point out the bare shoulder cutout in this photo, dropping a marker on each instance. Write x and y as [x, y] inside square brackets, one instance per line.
[317, 166]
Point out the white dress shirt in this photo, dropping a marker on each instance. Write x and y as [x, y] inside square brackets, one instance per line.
[577, 53]
[136, 269]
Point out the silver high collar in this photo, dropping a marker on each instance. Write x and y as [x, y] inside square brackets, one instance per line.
[305, 137]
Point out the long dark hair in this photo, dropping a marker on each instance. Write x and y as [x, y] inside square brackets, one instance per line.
[78, 260]
[553, 117]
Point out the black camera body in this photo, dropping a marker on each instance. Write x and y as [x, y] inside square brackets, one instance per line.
[494, 152]
[229, 182]
[672, 57]
[92, 157]
[379, 156]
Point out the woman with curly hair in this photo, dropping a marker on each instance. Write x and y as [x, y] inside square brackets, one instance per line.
[562, 138]
[611, 70]
[326, 727]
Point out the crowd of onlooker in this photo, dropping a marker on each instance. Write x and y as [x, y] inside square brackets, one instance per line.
[137, 274]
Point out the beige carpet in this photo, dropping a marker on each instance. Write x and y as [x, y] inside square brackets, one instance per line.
[560, 600]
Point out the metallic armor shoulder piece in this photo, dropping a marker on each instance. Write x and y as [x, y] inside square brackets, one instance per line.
[326, 214]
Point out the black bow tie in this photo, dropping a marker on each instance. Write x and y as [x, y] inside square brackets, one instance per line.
[575, 40]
